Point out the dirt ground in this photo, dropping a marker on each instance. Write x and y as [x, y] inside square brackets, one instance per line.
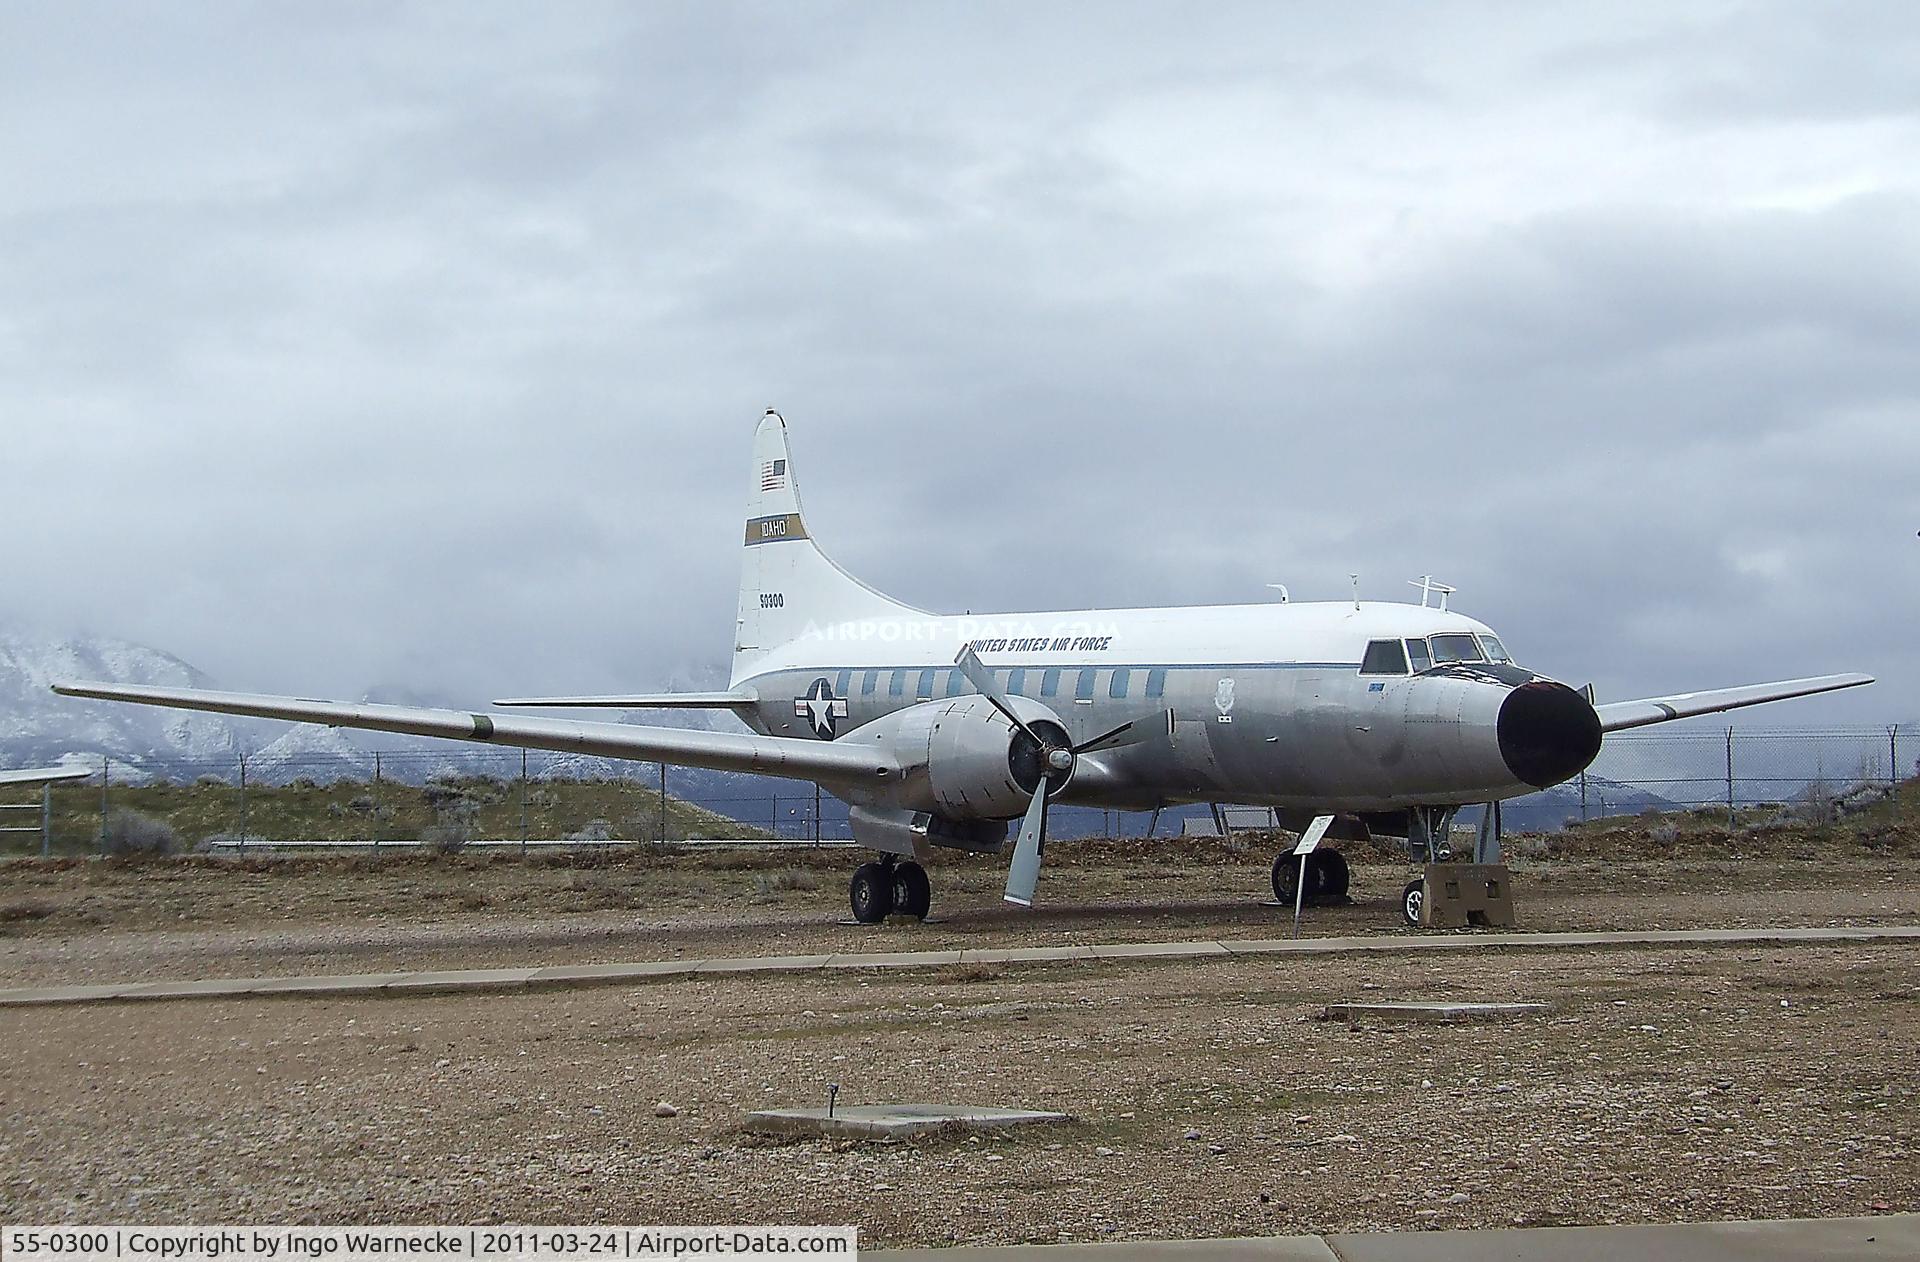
[1666, 1085]
[80, 920]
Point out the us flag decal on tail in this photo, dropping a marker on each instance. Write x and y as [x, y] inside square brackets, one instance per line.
[773, 475]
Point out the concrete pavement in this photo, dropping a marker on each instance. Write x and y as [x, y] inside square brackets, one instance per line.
[1833, 1239]
[500, 980]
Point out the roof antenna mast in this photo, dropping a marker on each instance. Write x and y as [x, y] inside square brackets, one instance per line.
[1427, 589]
[1356, 591]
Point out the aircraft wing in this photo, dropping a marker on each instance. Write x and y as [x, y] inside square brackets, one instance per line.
[40, 775]
[1618, 715]
[643, 701]
[843, 762]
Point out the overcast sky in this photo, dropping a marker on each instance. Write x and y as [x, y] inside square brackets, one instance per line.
[367, 345]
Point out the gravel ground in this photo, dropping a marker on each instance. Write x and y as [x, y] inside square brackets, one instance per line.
[93, 922]
[1668, 1085]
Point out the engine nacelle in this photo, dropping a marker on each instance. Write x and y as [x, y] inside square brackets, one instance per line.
[964, 759]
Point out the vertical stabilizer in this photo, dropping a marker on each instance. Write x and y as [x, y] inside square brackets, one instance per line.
[789, 589]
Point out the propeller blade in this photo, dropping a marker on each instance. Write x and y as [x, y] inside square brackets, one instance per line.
[1133, 733]
[1024, 872]
[982, 680]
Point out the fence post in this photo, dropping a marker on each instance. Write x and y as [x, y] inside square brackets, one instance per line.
[523, 804]
[1583, 797]
[816, 814]
[773, 813]
[663, 803]
[46, 820]
[1729, 779]
[106, 774]
[1893, 765]
[243, 803]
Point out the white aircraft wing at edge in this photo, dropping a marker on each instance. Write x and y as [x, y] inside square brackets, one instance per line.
[41, 775]
[1617, 715]
[719, 751]
[644, 701]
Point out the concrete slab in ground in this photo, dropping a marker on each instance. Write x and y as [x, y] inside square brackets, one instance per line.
[1252, 1249]
[896, 1121]
[1442, 1012]
[1832, 1239]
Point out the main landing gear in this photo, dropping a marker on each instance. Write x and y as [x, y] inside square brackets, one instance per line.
[886, 886]
[1326, 877]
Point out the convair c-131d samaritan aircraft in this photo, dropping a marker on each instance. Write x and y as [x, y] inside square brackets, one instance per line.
[941, 731]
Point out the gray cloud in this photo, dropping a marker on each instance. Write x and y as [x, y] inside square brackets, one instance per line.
[422, 345]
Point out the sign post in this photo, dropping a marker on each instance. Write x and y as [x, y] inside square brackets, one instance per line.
[1309, 841]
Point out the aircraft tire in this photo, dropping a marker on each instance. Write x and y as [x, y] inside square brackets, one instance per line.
[1327, 876]
[871, 893]
[912, 891]
[1286, 872]
[1412, 899]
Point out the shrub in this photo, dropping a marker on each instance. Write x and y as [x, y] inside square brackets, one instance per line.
[768, 883]
[131, 833]
[446, 837]
[363, 804]
[596, 830]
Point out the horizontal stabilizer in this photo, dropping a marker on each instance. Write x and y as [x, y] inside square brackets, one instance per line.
[642, 701]
[831, 761]
[1618, 715]
[40, 775]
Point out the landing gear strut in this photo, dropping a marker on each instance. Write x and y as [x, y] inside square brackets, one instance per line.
[1326, 877]
[883, 887]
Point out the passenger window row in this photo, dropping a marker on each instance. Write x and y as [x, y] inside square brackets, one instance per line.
[954, 683]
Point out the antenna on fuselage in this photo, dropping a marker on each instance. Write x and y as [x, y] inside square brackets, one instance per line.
[1282, 589]
[1428, 587]
[1356, 591]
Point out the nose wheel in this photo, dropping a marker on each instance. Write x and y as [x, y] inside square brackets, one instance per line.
[1412, 899]
[882, 888]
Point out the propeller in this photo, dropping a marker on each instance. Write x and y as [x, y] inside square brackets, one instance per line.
[1056, 764]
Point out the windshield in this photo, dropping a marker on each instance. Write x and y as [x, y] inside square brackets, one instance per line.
[1456, 648]
[1496, 651]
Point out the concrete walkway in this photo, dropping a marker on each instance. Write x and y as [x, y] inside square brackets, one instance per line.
[1834, 1239]
[499, 980]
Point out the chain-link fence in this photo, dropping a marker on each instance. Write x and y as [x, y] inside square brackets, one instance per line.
[493, 797]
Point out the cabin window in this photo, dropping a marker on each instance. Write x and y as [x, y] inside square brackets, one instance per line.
[1384, 657]
[1456, 648]
[925, 691]
[897, 686]
[867, 683]
[1419, 655]
[1496, 651]
[1156, 684]
[1050, 682]
[1117, 683]
[1017, 680]
[956, 683]
[841, 684]
[1083, 691]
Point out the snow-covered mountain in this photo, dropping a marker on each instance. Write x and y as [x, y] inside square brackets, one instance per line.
[39, 728]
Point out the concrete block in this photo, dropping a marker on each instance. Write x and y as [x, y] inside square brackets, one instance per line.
[895, 1121]
[1444, 1012]
[1460, 895]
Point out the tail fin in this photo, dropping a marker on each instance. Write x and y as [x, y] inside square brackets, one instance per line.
[789, 589]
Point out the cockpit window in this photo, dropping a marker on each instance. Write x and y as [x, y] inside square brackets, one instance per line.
[1422, 659]
[1496, 651]
[1457, 648]
[1384, 657]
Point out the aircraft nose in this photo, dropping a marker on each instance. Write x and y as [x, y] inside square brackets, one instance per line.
[1547, 732]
